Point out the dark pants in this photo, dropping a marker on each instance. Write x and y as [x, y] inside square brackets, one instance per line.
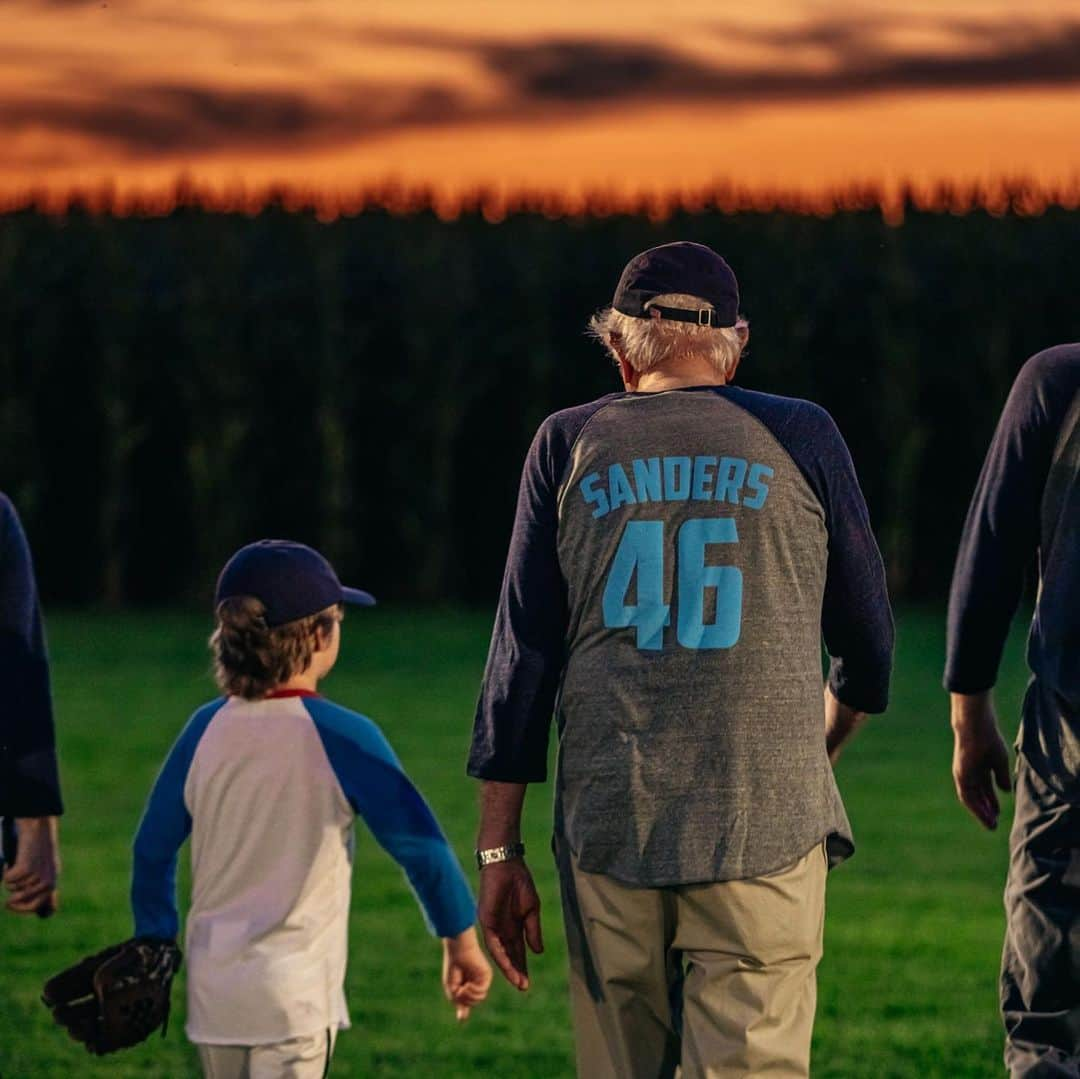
[1040, 965]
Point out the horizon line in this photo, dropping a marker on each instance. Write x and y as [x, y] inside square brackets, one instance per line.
[1001, 196]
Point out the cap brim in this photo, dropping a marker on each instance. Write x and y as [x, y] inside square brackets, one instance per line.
[357, 598]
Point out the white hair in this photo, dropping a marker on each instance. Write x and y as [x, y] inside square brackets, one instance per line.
[649, 342]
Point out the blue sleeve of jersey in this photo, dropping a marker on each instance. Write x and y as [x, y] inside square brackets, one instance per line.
[527, 652]
[856, 617]
[1001, 533]
[165, 825]
[29, 780]
[380, 792]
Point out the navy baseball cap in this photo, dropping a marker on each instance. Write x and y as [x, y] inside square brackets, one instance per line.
[291, 580]
[682, 267]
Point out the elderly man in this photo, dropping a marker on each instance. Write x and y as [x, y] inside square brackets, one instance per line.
[29, 784]
[1028, 500]
[679, 550]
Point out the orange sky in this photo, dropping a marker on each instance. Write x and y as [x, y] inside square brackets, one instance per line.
[625, 95]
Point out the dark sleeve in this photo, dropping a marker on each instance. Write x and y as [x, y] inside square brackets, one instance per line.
[1001, 533]
[856, 618]
[525, 660]
[29, 780]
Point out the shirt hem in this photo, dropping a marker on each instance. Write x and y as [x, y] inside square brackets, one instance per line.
[497, 775]
[200, 1038]
[839, 847]
[872, 702]
[967, 686]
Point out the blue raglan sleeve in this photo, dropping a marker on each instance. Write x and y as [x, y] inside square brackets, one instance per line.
[165, 825]
[29, 778]
[528, 642]
[1001, 532]
[379, 791]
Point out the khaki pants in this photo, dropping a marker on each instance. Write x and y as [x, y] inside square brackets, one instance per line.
[297, 1058]
[718, 980]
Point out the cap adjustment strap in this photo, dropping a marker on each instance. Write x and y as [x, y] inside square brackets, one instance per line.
[703, 316]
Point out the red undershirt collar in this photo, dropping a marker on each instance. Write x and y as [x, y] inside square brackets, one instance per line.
[276, 693]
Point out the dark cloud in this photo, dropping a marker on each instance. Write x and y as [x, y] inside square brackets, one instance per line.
[973, 54]
[849, 36]
[157, 119]
[104, 6]
[152, 120]
[555, 78]
[594, 71]
[860, 60]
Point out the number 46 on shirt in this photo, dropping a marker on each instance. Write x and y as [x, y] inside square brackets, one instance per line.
[641, 550]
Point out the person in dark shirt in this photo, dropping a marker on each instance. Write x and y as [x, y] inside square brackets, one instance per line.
[1028, 501]
[30, 803]
[678, 552]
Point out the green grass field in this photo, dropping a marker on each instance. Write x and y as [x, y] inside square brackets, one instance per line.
[907, 986]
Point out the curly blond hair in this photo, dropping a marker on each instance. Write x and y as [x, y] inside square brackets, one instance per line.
[251, 658]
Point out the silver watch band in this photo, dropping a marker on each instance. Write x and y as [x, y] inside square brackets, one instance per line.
[499, 854]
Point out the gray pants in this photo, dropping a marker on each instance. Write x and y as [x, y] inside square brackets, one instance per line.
[1040, 965]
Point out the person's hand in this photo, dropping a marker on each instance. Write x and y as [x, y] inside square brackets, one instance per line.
[841, 722]
[509, 914]
[466, 974]
[980, 756]
[31, 879]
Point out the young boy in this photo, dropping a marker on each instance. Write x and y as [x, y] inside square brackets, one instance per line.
[268, 780]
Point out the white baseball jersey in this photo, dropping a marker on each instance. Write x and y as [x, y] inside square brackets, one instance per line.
[269, 791]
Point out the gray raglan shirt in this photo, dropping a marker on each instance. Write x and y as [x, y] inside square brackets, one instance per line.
[675, 561]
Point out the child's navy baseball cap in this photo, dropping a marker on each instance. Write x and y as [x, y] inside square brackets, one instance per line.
[291, 580]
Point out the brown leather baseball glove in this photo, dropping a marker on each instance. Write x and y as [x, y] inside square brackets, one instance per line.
[116, 998]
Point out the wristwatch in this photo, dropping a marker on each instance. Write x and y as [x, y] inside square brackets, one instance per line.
[499, 854]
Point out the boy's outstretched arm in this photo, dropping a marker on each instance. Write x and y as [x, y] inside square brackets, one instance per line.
[165, 825]
[380, 792]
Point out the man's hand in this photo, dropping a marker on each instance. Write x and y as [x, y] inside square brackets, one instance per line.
[31, 880]
[980, 756]
[509, 914]
[841, 722]
[466, 974]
